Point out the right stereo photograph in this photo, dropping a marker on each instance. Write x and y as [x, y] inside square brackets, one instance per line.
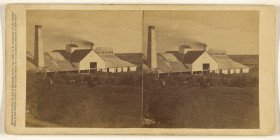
[201, 69]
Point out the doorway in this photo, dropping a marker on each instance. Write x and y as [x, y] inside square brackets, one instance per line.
[93, 67]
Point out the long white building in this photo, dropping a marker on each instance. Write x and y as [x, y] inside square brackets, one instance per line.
[75, 59]
[193, 57]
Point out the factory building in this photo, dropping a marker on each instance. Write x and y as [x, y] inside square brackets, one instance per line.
[190, 58]
[75, 59]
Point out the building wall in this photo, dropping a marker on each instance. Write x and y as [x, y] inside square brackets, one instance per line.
[92, 57]
[232, 71]
[124, 69]
[113, 70]
[217, 71]
[133, 68]
[245, 70]
[204, 58]
[225, 71]
[237, 70]
[119, 69]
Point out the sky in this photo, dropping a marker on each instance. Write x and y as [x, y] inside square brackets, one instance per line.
[126, 31]
[120, 30]
[234, 31]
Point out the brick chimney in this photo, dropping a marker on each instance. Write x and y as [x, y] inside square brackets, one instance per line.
[38, 47]
[152, 48]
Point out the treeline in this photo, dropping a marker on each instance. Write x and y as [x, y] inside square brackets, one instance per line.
[135, 79]
[76, 79]
[204, 81]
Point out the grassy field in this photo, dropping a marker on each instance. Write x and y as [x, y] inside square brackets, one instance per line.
[213, 107]
[100, 106]
[111, 103]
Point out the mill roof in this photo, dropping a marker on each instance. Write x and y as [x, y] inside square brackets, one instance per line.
[168, 63]
[64, 53]
[134, 58]
[78, 55]
[191, 56]
[224, 62]
[177, 54]
[31, 67]
[54, 61]
[112, 61]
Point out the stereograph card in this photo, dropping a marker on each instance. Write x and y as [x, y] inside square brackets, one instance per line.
[140, 69]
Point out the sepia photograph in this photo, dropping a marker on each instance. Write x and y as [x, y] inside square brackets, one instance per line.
[84, 69]
[201, 69]
[140, 69]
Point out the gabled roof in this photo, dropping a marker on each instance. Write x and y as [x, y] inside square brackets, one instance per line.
[134, 58]
[224, 62]
[29, 55]
[31, 67]
[112, 61]
[54, 62]
[191, 56]
[168, 63]
[78, 55]
[178, 55]
[64, 53]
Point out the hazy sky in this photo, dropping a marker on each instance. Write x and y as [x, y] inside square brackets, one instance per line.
[234, 31]
[120, 30]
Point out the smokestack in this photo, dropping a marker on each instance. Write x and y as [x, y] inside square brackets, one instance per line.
[38, 47]
[152, 48]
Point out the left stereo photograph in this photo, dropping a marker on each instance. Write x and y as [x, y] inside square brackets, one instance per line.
[84, 69]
